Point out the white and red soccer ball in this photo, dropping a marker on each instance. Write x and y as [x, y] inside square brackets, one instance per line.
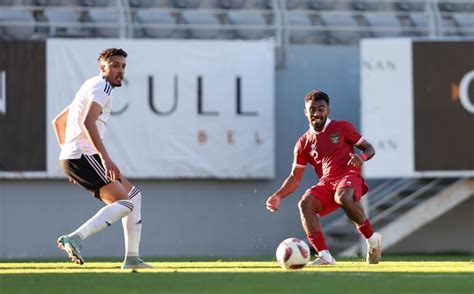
[292, 253]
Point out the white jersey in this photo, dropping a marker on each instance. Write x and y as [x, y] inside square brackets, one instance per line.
[76, 143]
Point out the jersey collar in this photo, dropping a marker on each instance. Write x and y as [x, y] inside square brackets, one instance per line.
[313, 131]
[106, 81]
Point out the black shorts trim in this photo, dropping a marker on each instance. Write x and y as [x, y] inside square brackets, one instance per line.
[87, 171]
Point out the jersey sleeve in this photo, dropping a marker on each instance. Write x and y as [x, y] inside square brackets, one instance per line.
[100, 93]
[351, 135]
[299, 158]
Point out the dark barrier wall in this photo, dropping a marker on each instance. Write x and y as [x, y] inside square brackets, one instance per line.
[444, 127]
[23, 123]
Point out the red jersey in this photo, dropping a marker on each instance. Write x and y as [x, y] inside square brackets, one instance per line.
[328, 151]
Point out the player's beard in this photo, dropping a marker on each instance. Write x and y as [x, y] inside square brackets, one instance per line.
[117, 84]
[318, 126]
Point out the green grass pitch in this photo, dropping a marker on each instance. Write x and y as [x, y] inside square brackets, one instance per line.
[396, 274]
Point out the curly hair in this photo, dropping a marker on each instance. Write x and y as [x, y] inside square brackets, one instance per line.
[109, 52]
[316, 95]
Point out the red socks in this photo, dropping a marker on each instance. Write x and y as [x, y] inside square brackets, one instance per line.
[317, 240]
[366, 229]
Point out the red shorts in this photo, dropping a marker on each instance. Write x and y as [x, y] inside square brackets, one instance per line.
[326, 191]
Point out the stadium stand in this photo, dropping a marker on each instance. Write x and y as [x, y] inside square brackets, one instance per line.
[293, 21]
[17, 24]
[151, 23]
[296, 21]
[387, 25]
[104, 21]
[63, 23]
[232, 4]
[201, 25]
[248, 25]
[465, 24]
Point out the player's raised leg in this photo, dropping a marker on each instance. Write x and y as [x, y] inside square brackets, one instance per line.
[309, 205]
[132, 229]
[355, 212]
[118, 206]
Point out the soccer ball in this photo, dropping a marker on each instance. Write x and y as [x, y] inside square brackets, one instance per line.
[292, 253]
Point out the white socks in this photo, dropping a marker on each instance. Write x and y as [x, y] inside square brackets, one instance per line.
[132, 225]
[106, 216]
[127, 210]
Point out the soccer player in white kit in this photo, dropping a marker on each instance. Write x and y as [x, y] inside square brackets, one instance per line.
[79, 129]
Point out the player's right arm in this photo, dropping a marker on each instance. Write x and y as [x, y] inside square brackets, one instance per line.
[293, 180]
[92, 115]
[289, 186]
[59, 125]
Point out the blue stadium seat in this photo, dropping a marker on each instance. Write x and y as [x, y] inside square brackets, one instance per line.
[410, 6]
[372, 5]
[465, 23]
[157, 24]
[449, 26]
[290, 4]
[63, 22]
[258, 4]
[232, 4]
[448, 6]
[300, 27]
[186, 3]
[384, 25]
[250, 25]
[24, 31]
[321, 5]
[151, 3]
[418, 22]
[59, 2]
[342, 28]
[98, 3]
[206, 24]
[105, 22]
[6, 2]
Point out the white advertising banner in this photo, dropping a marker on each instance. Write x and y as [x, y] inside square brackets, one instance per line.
[187, 109]
[387, 108]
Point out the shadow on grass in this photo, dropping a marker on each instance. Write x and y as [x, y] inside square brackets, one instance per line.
[218, 282]
[448, 256]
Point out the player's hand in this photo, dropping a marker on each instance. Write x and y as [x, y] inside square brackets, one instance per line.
[355, 161]
[273, 202]
[112, 172]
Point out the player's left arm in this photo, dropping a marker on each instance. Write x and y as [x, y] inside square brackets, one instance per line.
[59, 125]
[368, 151]
[353, 137]
[366, 148]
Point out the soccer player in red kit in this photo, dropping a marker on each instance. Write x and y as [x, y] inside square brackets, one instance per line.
[328, 146]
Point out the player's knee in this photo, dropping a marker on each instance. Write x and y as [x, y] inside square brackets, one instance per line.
[132, 206]
[338, 199]
[127, 204]
[343, 198]
[306, 205]
[134, 192]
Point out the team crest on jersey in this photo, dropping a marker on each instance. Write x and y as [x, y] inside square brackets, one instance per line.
[334, 138]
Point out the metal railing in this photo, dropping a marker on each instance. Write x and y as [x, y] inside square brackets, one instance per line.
[288, 21]
[280, 16]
